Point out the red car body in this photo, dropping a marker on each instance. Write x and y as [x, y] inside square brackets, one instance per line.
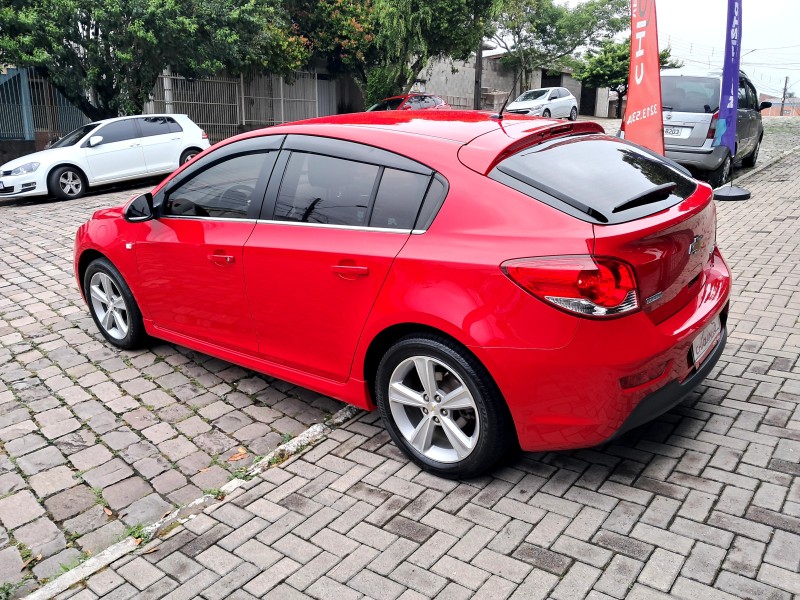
[316, 305]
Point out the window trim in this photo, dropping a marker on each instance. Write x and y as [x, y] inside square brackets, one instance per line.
[136, 128]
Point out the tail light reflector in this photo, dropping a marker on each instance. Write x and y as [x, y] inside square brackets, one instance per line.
[712, 129]
[203, 135]
[585, 285]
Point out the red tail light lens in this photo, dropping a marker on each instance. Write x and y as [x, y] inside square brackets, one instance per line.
[203, 135]
[584, 285]
[712, 129]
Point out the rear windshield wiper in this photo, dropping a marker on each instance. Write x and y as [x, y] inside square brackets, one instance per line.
[656, 194]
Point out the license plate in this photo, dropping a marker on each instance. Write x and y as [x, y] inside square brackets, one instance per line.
[704, 342]
[673, 131]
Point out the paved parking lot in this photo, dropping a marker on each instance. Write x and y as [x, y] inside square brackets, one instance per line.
[704, 503]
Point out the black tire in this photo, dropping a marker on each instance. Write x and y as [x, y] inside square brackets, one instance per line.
[135, 336]
[189, 154]
[750, 161]
[490, 421]
[573, 114]
[546, 113]
[66, 183]
[722, 174]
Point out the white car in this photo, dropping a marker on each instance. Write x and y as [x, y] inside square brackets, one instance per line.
[546, 102]
[104, 152]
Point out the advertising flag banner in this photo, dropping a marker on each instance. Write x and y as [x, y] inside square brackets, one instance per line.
[643, 122]
[725, 134]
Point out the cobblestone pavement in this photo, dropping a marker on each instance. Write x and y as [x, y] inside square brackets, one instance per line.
[94, 441]
[704, 503]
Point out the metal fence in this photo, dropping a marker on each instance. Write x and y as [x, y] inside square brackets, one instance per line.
[33, 110]
[225, 105]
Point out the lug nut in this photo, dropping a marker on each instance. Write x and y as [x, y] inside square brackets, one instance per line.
[435, 419]
[438, 398]
[444, 412]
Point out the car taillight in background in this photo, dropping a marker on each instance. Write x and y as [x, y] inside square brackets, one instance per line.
[584, 285]
[203, 135]
[712, 130]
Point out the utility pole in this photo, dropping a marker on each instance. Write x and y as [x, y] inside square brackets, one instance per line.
[476, 99]
[783, 100]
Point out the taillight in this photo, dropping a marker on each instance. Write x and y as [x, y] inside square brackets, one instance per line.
[712, 129]
[585, 285]
[203, 135]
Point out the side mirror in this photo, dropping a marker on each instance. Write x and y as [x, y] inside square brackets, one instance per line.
[764, 105]
[140, 209]
[95, 140]
[406, 106]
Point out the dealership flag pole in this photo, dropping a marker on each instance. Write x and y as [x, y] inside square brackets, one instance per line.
[729, 100]
[643, 123]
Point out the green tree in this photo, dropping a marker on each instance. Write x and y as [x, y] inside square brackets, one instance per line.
[410, 33]
[543, 34]
[609, 66]
[106, 55]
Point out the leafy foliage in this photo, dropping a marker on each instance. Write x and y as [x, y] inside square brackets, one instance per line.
[541, 33]
[609, 66]
[105, 55]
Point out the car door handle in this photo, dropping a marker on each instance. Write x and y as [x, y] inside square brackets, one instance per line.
[135, 145]
[221, 259]
[350, 270]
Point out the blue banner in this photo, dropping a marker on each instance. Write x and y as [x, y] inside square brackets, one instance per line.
[729, 101]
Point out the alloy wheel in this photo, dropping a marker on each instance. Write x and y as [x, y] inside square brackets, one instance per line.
[109, 305]
[70, 183]
[190, 156]
[433, 409]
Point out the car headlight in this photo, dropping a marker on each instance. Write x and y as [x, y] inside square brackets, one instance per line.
[26, 168]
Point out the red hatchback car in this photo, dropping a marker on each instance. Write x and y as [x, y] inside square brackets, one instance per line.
[481, 282]
[411, 102]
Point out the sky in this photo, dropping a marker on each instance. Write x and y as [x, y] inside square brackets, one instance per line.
[695, 30]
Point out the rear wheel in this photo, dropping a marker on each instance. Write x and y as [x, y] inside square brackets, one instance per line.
[112, 305]
[750, 161]
[189, 154]
[722, 174]
[66, 183]
[441, 407]
[573, 114]
[546, 113]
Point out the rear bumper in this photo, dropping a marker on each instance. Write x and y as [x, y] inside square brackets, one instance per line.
[698, 159]
[573, 396]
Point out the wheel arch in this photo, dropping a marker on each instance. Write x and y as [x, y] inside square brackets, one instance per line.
[68, 164]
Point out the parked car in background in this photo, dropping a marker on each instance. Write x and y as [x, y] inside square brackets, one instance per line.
[546, 102]
[690, 100]
[411, 102]
[482, 283]
[104, 152]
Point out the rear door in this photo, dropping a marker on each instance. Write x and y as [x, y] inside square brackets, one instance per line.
[688, 106]
[119, 155]
[161, 143]
[336, 216]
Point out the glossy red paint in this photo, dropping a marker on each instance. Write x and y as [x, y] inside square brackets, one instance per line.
[305, 304]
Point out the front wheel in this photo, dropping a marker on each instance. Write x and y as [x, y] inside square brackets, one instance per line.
[66, 183]
[750, 161]
[573, 114]
[546, 113]
[441, 407]
[113, 306]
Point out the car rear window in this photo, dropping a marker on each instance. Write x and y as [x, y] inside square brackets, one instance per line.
[690, 94]
[390, 104]
[596, 178]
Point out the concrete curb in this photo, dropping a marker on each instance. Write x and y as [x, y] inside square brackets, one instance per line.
[112, 553]
[774, 161]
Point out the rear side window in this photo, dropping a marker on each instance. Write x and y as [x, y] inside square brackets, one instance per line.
[155, 126]
[399, 197]
[323, 189]
[174, 127]
[596, 178]
[690, 94]
[390, 104]
[563, 93]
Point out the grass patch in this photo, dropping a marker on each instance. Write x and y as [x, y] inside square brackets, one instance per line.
[98, 497]
[286, 438]
[217, 493]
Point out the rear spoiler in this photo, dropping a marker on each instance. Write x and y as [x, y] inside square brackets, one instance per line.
[484, 152]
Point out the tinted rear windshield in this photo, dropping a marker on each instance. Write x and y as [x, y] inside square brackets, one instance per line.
[596, 178]
[690, 94]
